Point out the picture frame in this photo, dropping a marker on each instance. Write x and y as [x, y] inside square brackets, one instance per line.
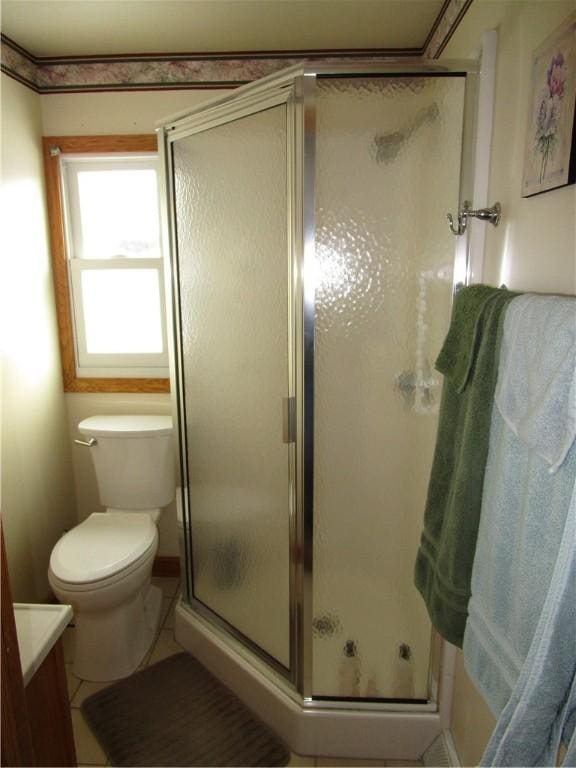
[550, 150]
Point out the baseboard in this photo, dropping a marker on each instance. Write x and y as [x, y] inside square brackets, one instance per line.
[442, 752]
[450, 748]
[166, 565]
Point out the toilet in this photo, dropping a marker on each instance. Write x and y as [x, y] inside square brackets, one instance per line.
[103, 566]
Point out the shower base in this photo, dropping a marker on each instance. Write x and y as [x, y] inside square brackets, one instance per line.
[387, 731]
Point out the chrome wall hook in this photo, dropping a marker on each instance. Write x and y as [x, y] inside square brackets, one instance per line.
[484, 214]
[462, 217]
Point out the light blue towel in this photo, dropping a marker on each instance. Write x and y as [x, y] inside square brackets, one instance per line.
[523, 515]
[537, 364]
[542, 709]
[570, 727]
[523, 519]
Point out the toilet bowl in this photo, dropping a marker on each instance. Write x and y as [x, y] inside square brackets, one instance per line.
[103, 566]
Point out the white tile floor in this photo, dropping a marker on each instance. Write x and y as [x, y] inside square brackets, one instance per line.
[89, 752]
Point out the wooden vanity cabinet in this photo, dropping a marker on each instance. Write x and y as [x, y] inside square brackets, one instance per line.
[49, 712]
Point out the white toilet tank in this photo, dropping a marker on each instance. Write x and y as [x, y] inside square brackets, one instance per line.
[133, 458]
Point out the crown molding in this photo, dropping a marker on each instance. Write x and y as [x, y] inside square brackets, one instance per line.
[450, 16]
[172, 71]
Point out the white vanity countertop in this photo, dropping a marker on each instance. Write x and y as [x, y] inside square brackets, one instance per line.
[38, 628]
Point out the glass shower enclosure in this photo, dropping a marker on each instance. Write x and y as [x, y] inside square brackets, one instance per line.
[312, 273]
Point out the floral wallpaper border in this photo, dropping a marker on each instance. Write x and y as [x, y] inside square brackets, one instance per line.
[453, 13]
[150, 73]
[189, 71]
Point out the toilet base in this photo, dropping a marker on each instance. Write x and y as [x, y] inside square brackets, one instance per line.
[112, 644]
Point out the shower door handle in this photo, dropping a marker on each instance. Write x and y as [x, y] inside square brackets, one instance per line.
[289, 419]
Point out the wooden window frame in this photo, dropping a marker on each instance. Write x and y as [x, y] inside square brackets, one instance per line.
[83, 145]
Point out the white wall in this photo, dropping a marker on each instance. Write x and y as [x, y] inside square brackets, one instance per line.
[37, 484]
[533, 249]
[78, 114]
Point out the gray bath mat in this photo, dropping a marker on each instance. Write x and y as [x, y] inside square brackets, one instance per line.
[175, 713]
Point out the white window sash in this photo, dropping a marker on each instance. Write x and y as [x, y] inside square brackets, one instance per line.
[113, 365]
[138, 365]
[71, 166]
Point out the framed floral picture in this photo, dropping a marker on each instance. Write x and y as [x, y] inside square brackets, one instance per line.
[550, 155]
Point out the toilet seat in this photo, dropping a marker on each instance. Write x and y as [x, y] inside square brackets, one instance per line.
[103, 548]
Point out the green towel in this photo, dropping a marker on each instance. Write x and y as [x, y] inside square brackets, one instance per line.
[469, 362]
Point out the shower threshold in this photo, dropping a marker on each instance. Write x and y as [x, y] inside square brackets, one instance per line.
[345, 729]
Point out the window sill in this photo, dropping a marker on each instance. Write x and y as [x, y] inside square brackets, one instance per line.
[116, 385]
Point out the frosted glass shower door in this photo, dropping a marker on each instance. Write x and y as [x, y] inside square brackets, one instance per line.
[388, 169]
[230, 188]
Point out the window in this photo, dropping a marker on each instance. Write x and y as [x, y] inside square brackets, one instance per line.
[113, 246]
[108, 269]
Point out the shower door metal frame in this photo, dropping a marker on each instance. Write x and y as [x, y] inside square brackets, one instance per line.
[296, 88]
[204, 120]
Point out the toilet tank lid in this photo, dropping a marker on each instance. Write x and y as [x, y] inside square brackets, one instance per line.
[128, 425]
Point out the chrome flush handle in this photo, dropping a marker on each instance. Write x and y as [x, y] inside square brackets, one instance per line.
[91, 442]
